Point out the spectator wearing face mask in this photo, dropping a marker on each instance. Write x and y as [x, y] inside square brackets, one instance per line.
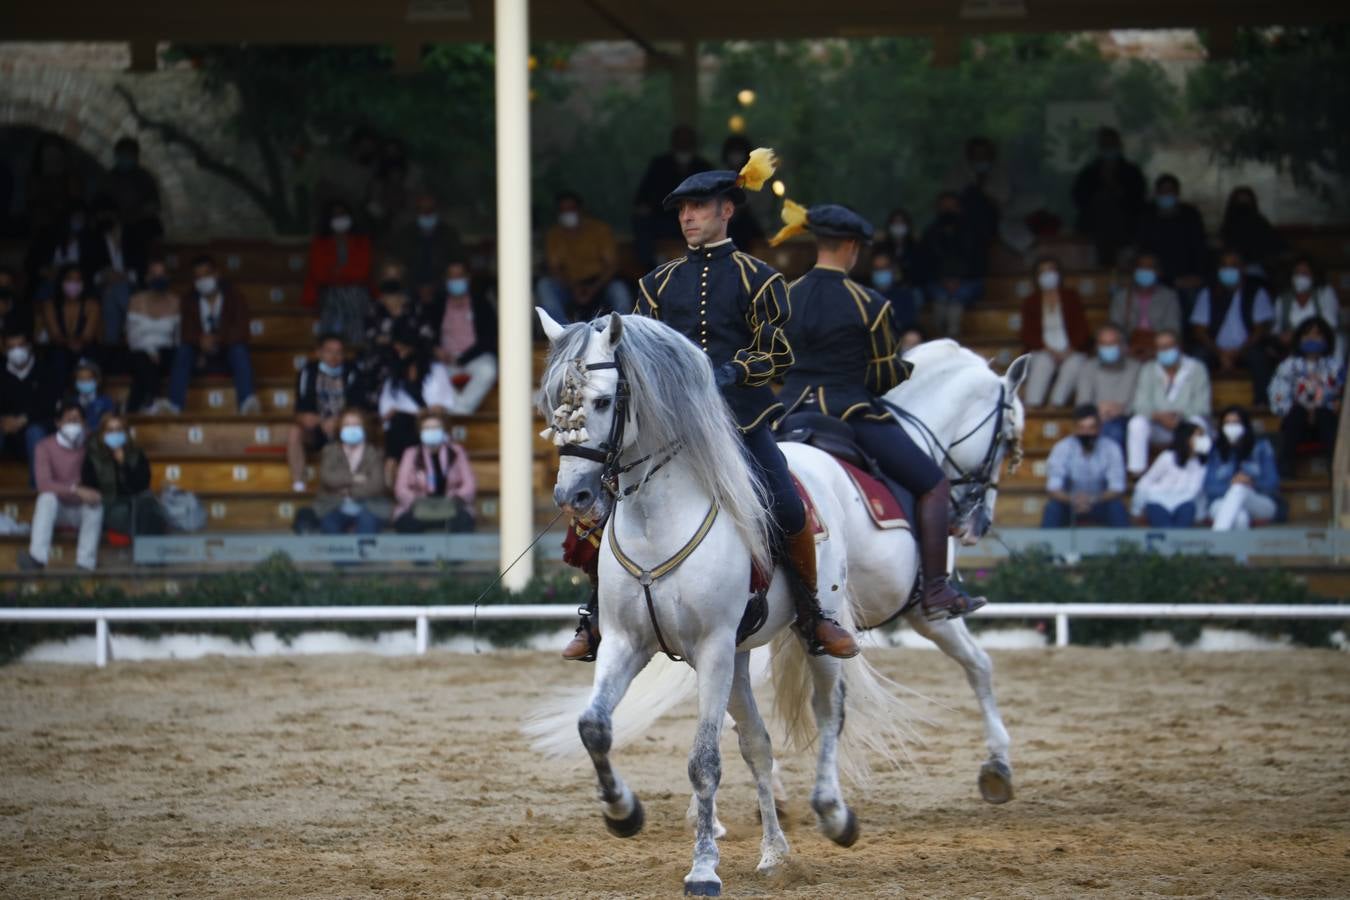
[466, 325]
[1308, 296]
[353, 496]
[1173, 232]
[214, 338]
[1230, 321]
[425, 247]
[88, 394]
[403, 396]
[1172, 389]
[1171, 493]
[58, 465]
[900, 242]
[651, 222]
[1246, 230]
[435, 488]
[154, 324]
[324, 387]
[582, 261]
[1242, 482]
[29, 394]
[1306, 392]
[72, 319]
[955, 256]
[886, 280]
[1108, 381]
[118, 470]
[1144, 306]
[1109, 193]
[338, 278]
[1085, 478]
[1055, 333]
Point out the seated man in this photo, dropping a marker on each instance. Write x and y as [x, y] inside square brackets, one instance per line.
[214, 334]
[1108, 381]
[1085, 477]
[323, 389]
[1171, 387]
[28, 398]
[1231, 319]
[88, 392]
[582, 260]
[58, 468]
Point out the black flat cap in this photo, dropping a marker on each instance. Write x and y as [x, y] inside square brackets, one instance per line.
[834, 221]
[705, 186]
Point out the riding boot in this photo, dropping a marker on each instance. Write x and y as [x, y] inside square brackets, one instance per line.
[940, 598]
[823, 635]
[587, 639]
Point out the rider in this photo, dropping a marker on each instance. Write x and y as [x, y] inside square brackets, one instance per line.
[846, 359]
[733, 306]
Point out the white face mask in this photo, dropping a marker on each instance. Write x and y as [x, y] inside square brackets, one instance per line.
[1202, 444]
[569, 219]
[899, 230]
[1233, 431]
[1048, 280]
[72, 432]
[341, 224]
[206, 286]
[19, 356]
[1303, 283]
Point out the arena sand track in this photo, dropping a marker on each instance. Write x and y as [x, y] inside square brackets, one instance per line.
[1139, 774]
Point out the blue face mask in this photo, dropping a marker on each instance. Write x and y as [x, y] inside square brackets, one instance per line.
[1312, 347]
[1109, 353]
[433, 437]
[1229, 276]
[1145, 278]
[882, 279]
[86, 387]
[457, 287]
[1167, 201]
[352, 434]
[330, 371]
[1169, 357]
[115, 440]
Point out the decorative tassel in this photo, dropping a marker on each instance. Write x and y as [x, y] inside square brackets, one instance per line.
[547, 433]
[794, 222]
[582, 435]
[558, 439]
[758, 169]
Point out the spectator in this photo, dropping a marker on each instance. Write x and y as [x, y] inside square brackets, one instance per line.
[214, 337]
[744, 228]
[92, 402]
[387, 196]
[71, 318]
[113, 263]
[888, 282]
[1307, 297]
[1144, 307]
[154, 322]
[582, 260]
[467, 326]
[425, 246]
[352, 491]
[119, 471]
[1172, 388]
[15, 314]
[401, 398]
[1174, 234]
[29, 394]
[910, 338]
[651, 223]
[954, 259]
[324, 387]
[339, 275]
[435, 487]
[1230, 322]
[1108, 381]
[1085, 477]
[1171, 493]
[1109, 193]
[58, 464]
[134, 193]
[900, 242]
[1306, 392]
[1241, 480]
[984, 190]
[1250, 233]
[1055, 333]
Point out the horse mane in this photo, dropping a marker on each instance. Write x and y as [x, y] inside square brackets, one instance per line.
[674, 400]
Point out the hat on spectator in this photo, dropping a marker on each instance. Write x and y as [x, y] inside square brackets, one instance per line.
[726, 183]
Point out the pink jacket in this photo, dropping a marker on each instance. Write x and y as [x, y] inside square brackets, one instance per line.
[56, 469]
[413, 469]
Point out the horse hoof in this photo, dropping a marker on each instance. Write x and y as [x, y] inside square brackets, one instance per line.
[995, 782]
[849, 836]
[630, 825]
[702, 889]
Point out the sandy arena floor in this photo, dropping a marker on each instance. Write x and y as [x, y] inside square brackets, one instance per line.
[1139, 774]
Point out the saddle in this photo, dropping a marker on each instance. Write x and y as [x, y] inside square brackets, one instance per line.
[889, 504]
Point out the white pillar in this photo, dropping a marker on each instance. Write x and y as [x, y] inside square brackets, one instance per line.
[515, 377]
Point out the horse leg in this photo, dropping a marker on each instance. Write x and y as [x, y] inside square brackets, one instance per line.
[616, 667]
[715, 664]
[954, 639]
[757, 751]
[836, 820]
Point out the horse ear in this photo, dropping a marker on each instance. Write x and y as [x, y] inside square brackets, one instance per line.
[552, 330]
[614, 329]
[1017, 372]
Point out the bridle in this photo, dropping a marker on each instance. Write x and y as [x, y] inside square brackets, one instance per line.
[982, 476]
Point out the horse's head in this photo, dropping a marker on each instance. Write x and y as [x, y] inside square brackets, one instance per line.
[584, 399]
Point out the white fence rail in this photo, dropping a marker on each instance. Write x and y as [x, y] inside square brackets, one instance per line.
[422, 616]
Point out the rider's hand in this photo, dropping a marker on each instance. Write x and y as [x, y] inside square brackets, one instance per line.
[727, 375]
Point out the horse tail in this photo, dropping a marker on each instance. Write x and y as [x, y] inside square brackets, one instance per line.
[660, 687]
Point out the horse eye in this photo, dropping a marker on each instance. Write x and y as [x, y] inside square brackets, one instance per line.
[600, 404]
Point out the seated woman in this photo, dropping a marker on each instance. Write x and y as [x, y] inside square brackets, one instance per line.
[337, 280]
[154, 320]
[1306, 392]
[466, 328]
[118, 469]
[1171, 493]
[1055, 333]
[435, 487]
[1241, 480]
[352, 492]
[73, 320]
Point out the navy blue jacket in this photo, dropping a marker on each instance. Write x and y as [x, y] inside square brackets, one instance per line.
[734, 307]
[846, 347]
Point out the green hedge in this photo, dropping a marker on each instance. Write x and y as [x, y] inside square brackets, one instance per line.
[1134, 575]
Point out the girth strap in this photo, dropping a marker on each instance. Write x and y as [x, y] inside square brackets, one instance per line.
[645, 577]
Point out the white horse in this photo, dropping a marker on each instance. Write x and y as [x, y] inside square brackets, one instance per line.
[639, 419]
